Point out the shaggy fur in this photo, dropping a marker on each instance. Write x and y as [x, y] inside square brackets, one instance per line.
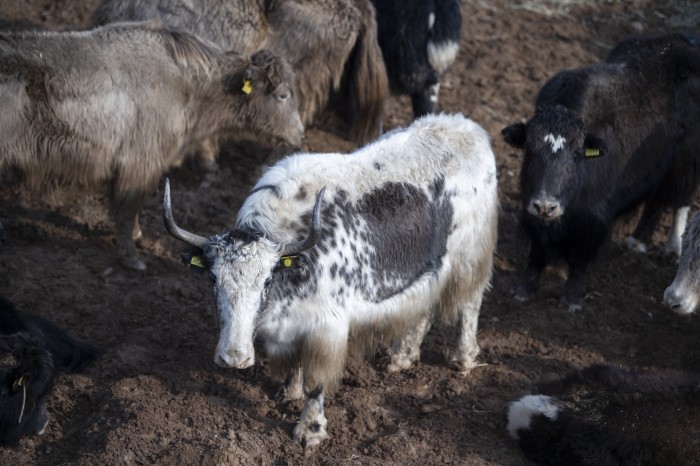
[331, 45]
[605, 415]
[419, 40]
[80, 108]
[604, 139]
[407, 234]
[32, 352]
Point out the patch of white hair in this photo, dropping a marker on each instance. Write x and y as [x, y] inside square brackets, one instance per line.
[442, 55]
[521, 412]
[557, 142]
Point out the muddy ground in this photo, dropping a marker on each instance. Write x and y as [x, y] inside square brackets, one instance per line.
[156, 397]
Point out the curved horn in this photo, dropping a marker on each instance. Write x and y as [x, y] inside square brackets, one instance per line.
[295, 247]
[174, 230]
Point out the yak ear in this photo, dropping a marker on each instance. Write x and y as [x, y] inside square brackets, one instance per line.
[593, 146]
[193, 257]
[515, 135]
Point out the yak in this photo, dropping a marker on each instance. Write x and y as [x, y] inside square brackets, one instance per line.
[116, 106]
[364, 247]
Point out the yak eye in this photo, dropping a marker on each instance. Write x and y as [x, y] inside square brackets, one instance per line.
[283, 96]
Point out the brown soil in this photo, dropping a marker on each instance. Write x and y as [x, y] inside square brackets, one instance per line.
[156, 397]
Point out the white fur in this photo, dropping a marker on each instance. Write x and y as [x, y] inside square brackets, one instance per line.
[557, 142]
[442, 55]
[521, 412]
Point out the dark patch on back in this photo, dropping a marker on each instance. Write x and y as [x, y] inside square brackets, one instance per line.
[377, 166]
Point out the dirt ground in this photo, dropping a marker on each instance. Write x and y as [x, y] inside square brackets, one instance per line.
[156, 397]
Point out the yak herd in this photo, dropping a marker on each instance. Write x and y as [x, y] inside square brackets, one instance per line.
[333, 253]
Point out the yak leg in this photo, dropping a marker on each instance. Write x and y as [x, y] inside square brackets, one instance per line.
[323, 358]
[206, 155]
[575, 288]
[464, 358]
[311, 428]
[293, 386]
[680, 219]
[425, 101]
[125, 210]
[407, 349]
[645, 228]
[530, 281]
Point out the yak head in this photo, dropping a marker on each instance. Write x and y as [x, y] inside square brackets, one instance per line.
[242, 265]
[557, 149]
[26, 379]
[261, 94]
[683, 295]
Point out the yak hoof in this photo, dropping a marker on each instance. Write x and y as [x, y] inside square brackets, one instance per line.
[573, 306]
[399, 363]
[310, 434]
[133, 263]
[634, 244]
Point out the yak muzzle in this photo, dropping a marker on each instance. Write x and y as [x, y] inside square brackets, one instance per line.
[234, 359]
[679, 303]
[545, 208]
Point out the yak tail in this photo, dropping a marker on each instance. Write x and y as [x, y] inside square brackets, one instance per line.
[365, 84]
[69, 354]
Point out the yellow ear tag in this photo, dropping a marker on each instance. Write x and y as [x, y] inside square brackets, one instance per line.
[197, 261]
[247, 87]
[592, 152]
[19, 382]
[288, 260]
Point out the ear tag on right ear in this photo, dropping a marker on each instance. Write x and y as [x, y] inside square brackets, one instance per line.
[247, 87]
[197, 261]
[592, 152]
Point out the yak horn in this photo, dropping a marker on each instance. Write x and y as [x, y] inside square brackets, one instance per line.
[174, 230]
[295, 247]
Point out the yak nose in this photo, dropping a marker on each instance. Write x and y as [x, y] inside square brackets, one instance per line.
[234, 359]
[672, 299]
[546, 208]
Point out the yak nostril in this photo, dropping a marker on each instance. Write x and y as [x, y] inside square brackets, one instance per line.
[538, 206]
[552, 208]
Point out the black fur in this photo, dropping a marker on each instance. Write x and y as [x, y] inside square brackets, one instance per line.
[403, 38]
[614, 416]
[640, 109]
[32, 353]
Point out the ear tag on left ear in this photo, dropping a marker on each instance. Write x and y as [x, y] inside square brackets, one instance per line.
[288, 261]
[197, 261]
[18, 383]
[247, 87]
[592, 152]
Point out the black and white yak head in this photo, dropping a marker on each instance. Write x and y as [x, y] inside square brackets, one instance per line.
[557, 149]
[242, 266]
[27, 377]
[683, 295]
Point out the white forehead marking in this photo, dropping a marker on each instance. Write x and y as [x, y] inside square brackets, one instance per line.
[431, 21]
[556, 142]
